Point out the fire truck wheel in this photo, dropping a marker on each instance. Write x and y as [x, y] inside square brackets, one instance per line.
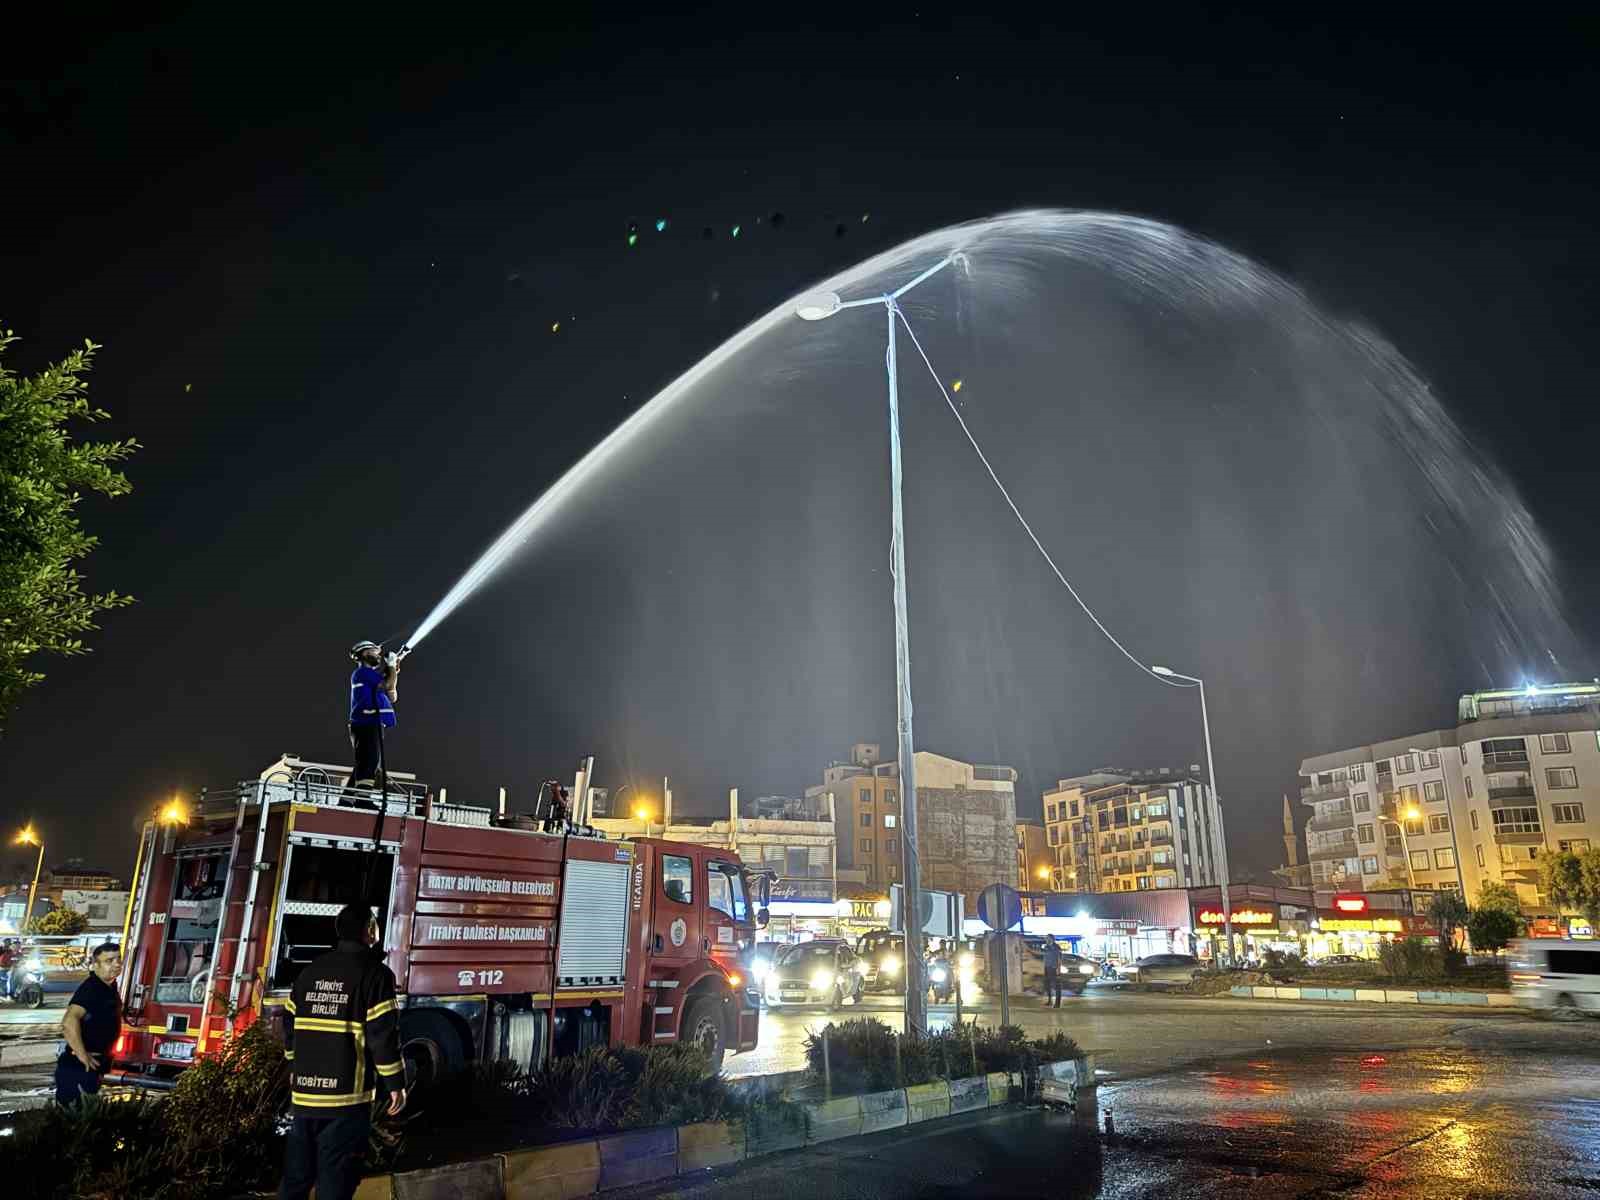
[430, 1047]
[702, 1027]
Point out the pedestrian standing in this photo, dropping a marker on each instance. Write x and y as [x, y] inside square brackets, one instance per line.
[342, 1040]
[374, 684]
[1052, 972]
[8, 960]
[90, 1027]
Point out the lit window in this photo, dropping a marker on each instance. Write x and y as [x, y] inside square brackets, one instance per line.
[888, 820]
[1444, 858]
[1575, 845]
[1419, 860]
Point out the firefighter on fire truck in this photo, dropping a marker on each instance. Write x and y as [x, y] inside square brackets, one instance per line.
[374, 685]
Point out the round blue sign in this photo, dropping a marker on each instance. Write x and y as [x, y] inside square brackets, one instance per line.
[999, 906]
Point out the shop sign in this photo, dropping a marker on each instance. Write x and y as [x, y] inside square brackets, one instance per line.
[1362, 925]
[1350, 904]
[1241, 916]
[803, 889]
[866, 911]
[1578, 927]
[1545, 927]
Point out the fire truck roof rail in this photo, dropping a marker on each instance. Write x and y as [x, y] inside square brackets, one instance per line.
[313, 787]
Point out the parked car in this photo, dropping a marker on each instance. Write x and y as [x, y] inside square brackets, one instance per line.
[1164, 969]
[1555, 974]
[814, 973]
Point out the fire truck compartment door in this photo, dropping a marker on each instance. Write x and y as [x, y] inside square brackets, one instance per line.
[594, 923]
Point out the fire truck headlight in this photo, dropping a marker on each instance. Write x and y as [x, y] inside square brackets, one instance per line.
[891, 965]
[938, 975]
[822, 981]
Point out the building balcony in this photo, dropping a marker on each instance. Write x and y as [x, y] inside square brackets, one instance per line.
[1339, 820]
[1343, 849]
[1505, 760]
[1161, 839]
[1521, 794]
[1324, 791]
[1524, 834]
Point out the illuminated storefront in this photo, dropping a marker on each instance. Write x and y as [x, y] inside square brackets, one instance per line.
[1357, 923]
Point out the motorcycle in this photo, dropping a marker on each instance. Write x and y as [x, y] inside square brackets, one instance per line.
[941, 979]
[27, 984]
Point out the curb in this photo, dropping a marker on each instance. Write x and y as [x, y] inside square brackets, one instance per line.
[584, 1168]
[1372, 996]
[28, 1054]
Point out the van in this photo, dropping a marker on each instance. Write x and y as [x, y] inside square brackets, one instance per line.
[1556, 973]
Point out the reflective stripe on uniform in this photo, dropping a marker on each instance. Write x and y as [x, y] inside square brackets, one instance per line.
[377, 1010]
[387, 1069]
[325, 1025]
[311, 1100]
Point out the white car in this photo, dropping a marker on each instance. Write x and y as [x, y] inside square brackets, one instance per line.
[1161, 968]
[1556, 974]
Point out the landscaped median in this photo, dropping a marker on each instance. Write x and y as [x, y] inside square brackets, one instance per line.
[592, 1165]
[1368, 995]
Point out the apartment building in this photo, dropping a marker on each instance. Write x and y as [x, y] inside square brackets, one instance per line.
[1123, 831]
[967, 818]
[1035, 860]
[1452, 808]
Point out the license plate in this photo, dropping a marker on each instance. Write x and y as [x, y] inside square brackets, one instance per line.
[182, 1051]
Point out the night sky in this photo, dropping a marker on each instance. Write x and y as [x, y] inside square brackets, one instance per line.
[364, 291]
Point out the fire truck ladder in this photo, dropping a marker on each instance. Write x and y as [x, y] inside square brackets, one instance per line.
[254, 791]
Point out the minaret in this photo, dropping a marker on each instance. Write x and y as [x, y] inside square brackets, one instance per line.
[1291, 845]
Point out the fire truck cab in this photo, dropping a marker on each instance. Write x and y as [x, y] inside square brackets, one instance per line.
[511, 937]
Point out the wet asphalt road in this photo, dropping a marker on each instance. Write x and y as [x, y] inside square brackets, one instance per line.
[1138, 1033]
[1365, 1103]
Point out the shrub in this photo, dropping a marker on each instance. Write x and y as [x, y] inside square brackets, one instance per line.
[1491, 928]
[609, 1088]
[1411, 958]
[864, 1055]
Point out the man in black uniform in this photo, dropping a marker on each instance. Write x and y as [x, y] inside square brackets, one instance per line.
[342, 1038]
[90, 1027]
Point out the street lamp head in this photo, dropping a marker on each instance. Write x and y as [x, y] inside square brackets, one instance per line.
[28, 837]
[1413, 813]
[174, 813]
[641, 813]
[817, 306]
[1043, 872]
[1163, 670]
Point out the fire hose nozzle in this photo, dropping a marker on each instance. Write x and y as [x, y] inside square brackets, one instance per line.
[394, 656]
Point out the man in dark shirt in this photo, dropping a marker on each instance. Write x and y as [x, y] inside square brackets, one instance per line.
[90, 1027]
[1052, 972]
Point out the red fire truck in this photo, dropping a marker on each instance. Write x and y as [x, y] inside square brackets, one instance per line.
[510, 937]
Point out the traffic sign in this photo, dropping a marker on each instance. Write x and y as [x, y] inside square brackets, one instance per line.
[999, 906]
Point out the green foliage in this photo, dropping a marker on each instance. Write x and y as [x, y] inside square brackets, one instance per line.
[1572, 881]
[1449, 912]
[58, 922]
[1411, 959]
[214, 1134]
[1501, 897]
[608, 1088]
[43, 475]
[1491, 928]
[865, 1055]
[1277, 960]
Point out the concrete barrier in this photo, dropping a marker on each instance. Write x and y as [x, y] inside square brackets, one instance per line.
[637, 1157]
[969, 1094]
[375, 1187]
[1264, 993]
[1341, 993]
[1243, 990]
[480, 1177]
[831, 1119]
[1287, 993]
[28, 1054]
[1500, 999]
[768, 1133]
[1433, 997]
[927, 1101]
[1313, 993]
[553, 1172]
[1371, 995]
[1401, 996]
[999, 1085]
[709, 1144]
[883, 1110]
[1464, 998]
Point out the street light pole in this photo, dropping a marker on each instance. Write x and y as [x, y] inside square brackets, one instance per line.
[1222, 833]
[817, 308]
[29, 838]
